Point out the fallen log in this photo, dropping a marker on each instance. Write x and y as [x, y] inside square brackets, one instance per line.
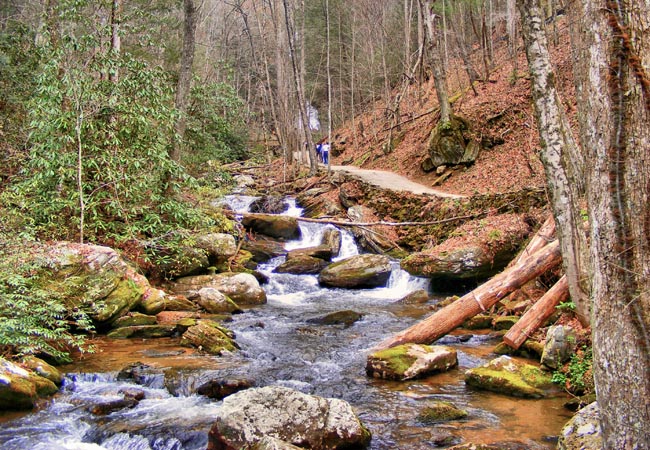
[481, 298]
[537, 314]
[544, 235]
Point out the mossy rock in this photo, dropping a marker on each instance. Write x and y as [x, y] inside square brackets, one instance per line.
[134, 319]
[479, 322]
[441, 412]
[301, 265]
[43, 369]
[505, 322]
[142, 331]
[360, 271]
[209, 337]
[347, 318]
[508, 376]
[408, 361]
[20, 388]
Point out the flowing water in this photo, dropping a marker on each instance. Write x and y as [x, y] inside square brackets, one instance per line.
[279, 346]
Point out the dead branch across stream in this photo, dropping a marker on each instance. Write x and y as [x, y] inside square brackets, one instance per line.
[388, 224]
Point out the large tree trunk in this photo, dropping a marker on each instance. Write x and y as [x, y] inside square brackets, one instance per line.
[612, 56]
[561, 156]
[481, 298]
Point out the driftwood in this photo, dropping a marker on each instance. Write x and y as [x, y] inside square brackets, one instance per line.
[537, 314]
[481, 298]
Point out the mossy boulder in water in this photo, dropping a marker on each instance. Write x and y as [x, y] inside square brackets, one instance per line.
[142, 331]
[134, 319]
[283, 227]
[508, 376]
[302, 265]
[242, 288]
[320, 251]
[332, 238]
[20, 388]
[408, 361]
[215, 302]
[210, 337]
[347, 318]
[263, 248]
[360, 271]
[437, 412]
[43, 369]
[249, 417]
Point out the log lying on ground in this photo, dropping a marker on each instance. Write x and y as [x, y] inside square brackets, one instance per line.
[537, 314]
[481, 298]
[544, 235]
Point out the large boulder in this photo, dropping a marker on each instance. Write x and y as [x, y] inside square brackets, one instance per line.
[94, 278]
[409, 361]
[210, 337]
[508, 376]
[173, 261]
[560, 345]
[478, 250]
[20, 388]
[218, 246]
[582, 431]
[263, 248]
[300, 265]
[215, 302]
[307, 421]
[450, 144]
[282, 227]
[359, 271]
[332, 238]
[323, 252]
[269, 204]
[242, 288]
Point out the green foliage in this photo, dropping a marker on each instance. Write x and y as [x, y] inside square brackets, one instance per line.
[35, 320]
[576, 376]
[566, 306]
[216, 128]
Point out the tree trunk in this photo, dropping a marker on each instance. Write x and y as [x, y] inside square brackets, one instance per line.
[561, 156]
[184, 76]
[537, 314]
[481, 298]
[611, 48]
[439, 75]
[116, 42]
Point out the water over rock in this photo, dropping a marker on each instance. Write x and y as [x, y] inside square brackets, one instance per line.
[511, 377]
[408, 361]
[359, 271]
[283, 227]
[263, 248]
[307, 421]
[242, 288]
[20, 388]
[347, 318]
[332, 238]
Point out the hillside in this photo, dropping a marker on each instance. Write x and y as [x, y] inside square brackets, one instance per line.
[501, 113]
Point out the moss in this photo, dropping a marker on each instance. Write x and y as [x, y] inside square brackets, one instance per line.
[505, 322]
[397, 358]
[441, 412]
[502, 382]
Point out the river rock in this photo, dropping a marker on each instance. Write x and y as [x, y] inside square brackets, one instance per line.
[408, 361]
[271, 443]
[478, 250]
[45, 370]
[282, 227]
[218, 246]
[416, 297]
[139, 373]
[347, 318]
[511, 377]
[307, 421]
[560, 345]
[210, 337]
[242, 288]
[269, 204]
[504, 322]
[360, 271]
[263, 248]
[215, 302]
[582, 431]
[301, 265]
[108, 406]
[20, 388]
[332, 238]
[321, 252]
[315, 204]
[142, 331]
[437, 412]
[134, 319]
[222, 388]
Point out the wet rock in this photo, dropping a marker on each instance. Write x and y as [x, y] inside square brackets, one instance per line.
[43, 369]
[134, 393]
[504, 322]
[218, 246]
[582, 431]
[481, 249]
[134, 319]
[415, 298]
[347, 318]
[307, 421]
[332, 238]
[222, 388]
[106, 407]
[321, 252]
[269, 204]
[479, 322]
[511, 377]
[242, 288]
[408, 361]
[360, 271]
[20, 388]
[142, 331]
[560, 345]
[173, 317]
[301, 265]
[215, 302]
[210, 337]
[283, 227]
[263, 248]
[271, 443]
[438, 412]
[529, 349]
[139, 373]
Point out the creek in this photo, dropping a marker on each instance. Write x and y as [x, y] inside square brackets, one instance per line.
[279, 346]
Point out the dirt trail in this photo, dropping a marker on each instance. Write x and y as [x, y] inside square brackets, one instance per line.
[391, 180]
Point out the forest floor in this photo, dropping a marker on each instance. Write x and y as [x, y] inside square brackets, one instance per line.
[501, 113]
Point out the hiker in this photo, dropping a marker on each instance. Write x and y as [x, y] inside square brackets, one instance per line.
[319, 152]
[325, 152]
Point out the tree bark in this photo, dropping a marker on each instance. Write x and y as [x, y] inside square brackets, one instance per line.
[537, 314]
[612, 51]
[561, 155]
[481, 298]
[116, 41]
